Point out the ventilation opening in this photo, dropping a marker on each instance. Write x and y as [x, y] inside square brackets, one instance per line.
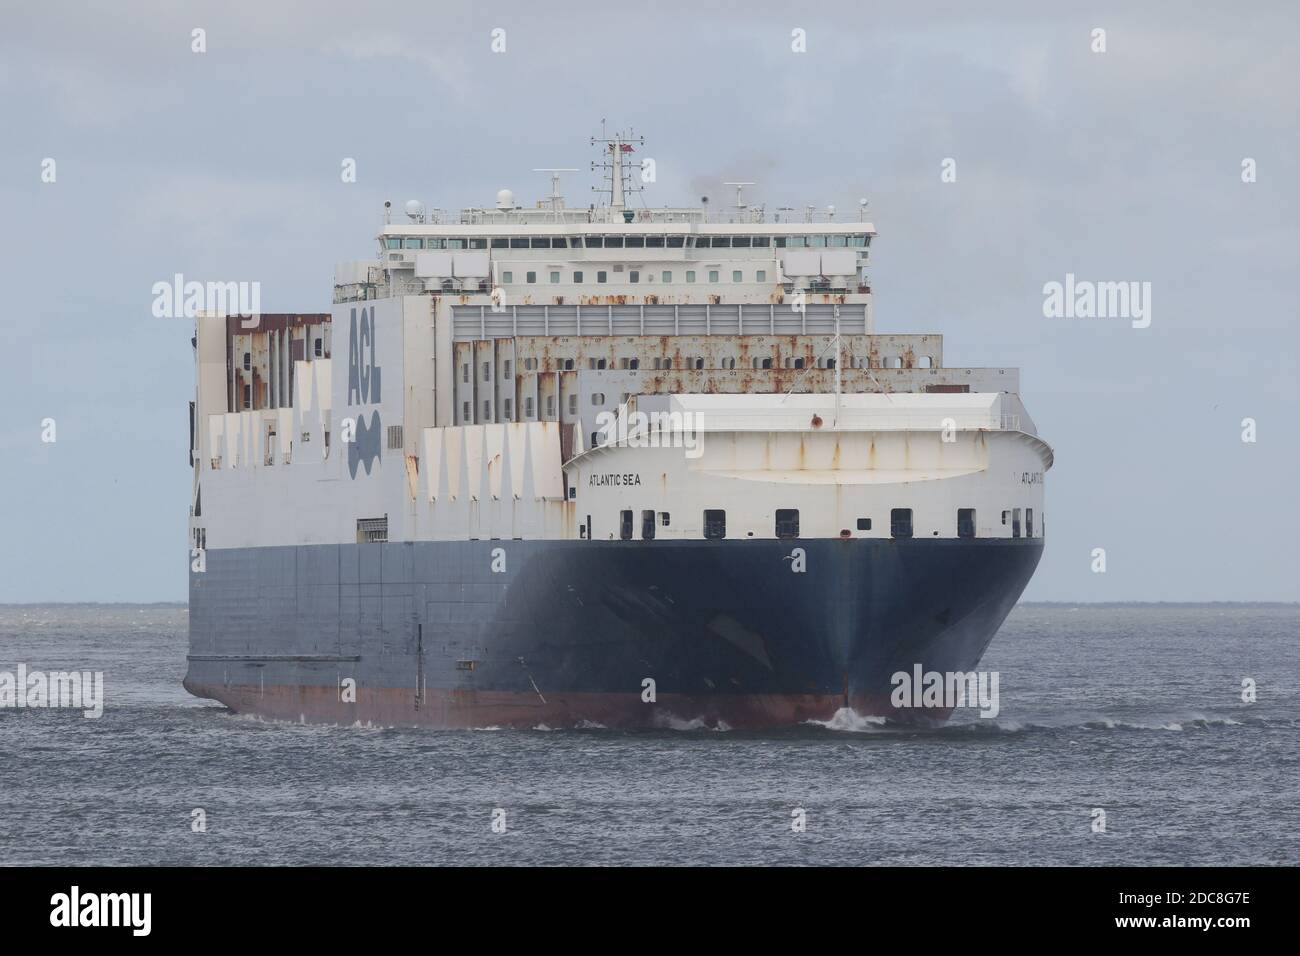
[372, 530]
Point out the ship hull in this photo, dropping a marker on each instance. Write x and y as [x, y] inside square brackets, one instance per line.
[733, 633]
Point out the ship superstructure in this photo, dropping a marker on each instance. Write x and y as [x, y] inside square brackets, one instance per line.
[607, 464]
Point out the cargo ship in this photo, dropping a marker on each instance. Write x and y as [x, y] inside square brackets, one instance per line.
[599, 466]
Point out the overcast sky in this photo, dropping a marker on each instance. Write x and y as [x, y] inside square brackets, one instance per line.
[1116, 165]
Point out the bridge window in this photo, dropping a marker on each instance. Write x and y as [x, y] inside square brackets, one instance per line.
[760, 276]
[634, 276]
[715, 523]
[602, 276]
[648, 525]
[965, 522]
[530, 277]
[690, 275]
[507, 277]
[900, 522]
[713, 275]
[625, 525]
[666, 276]
[787, 522]
[577, 277]
[517, 243]
[635, 242]
[555, 277]
[737, 276]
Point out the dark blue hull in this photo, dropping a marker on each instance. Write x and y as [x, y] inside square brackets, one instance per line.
[570, 632]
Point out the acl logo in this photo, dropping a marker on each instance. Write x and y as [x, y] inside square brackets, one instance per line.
[363, 389]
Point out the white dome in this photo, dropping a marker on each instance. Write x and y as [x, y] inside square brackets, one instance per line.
[505, 199]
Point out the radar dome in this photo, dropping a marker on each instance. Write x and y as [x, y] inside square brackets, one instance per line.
[505, 199]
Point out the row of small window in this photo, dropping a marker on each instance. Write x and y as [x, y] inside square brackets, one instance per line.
[787, 523]
[665, 363]
[633, 276]
[628, 242]
[507, 409]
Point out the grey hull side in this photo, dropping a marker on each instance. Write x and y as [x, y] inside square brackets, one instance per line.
[567, 633]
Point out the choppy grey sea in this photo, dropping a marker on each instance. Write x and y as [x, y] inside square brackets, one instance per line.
[1133, 710]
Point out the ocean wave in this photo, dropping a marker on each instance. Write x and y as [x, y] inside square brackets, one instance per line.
[671, 722]
[846, 720]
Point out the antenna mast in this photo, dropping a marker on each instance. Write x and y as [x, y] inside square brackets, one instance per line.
[557, 200]
[616, 146]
